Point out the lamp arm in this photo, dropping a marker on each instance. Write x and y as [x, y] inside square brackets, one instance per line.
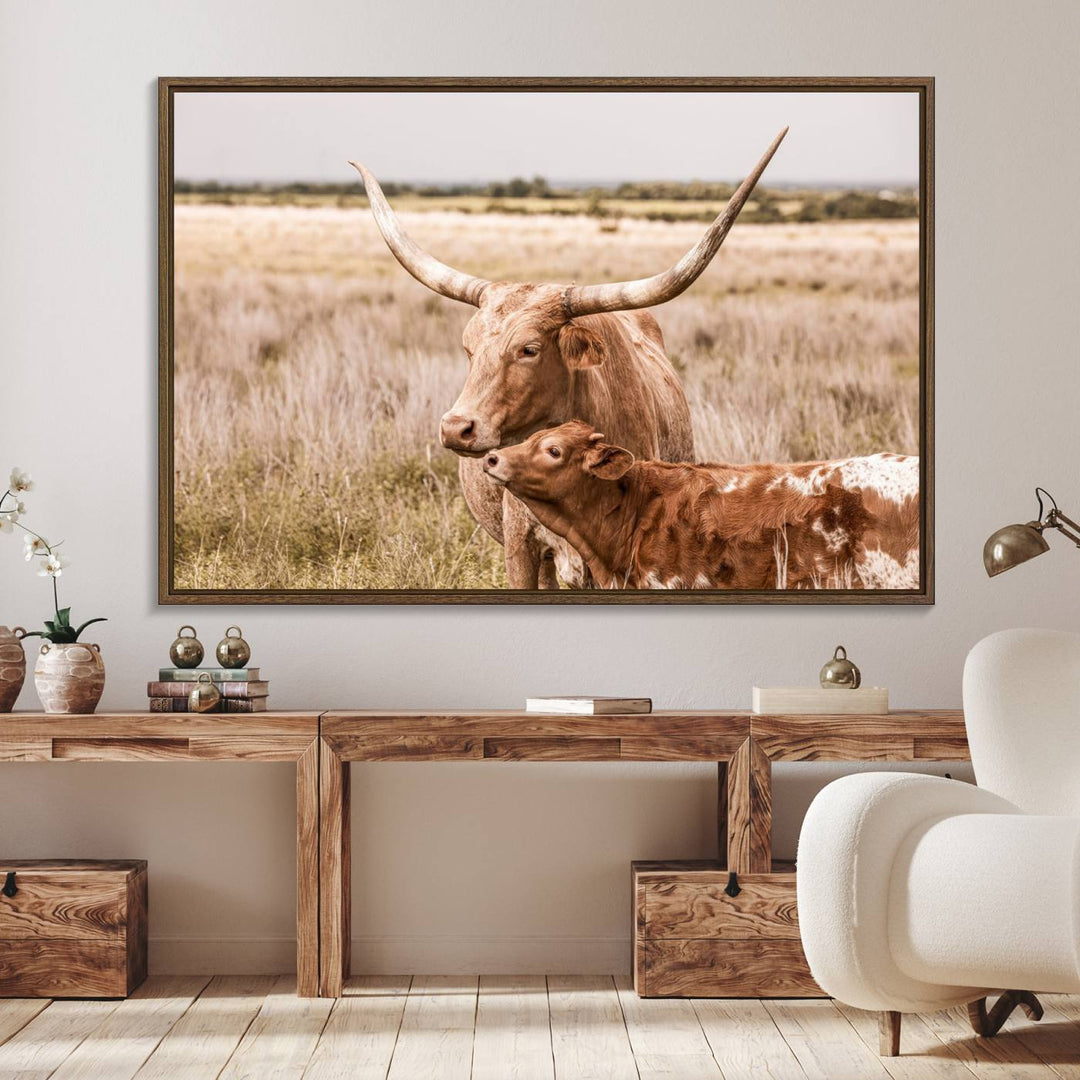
[1055, 519]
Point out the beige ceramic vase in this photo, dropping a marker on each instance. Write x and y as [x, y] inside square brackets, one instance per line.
[69, 678]
[12, 666]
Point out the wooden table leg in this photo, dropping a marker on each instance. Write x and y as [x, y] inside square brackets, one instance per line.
[334, 872]
[722, 813]
[749, 810]
[307, 872]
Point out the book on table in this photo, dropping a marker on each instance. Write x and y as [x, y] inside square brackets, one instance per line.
[217, 674]
[580, 705]
[228, 705]
[258, 689]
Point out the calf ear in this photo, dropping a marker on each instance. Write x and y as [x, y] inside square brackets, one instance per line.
[608, 462]
[580, 346]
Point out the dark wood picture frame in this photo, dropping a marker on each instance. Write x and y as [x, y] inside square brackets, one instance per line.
[169, 593]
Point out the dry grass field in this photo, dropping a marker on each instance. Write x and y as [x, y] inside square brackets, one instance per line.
[311, 371]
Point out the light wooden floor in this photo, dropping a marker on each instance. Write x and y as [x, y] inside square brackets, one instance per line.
[516, 1028]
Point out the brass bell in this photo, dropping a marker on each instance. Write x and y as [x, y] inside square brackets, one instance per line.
[840, 673]
[233, 652]
[204, 696]
[186, 651]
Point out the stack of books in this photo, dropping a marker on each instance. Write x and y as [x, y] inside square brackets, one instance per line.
[241, 689]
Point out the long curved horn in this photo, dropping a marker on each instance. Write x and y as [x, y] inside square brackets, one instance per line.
[647, 292]
[424, 267]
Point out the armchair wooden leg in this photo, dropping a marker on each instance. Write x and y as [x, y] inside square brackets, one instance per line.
[889, 1033]
[988, 1024]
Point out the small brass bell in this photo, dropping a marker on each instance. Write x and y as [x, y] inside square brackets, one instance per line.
[233, 652]
[186, 651]
[204, 696]
[840, 673]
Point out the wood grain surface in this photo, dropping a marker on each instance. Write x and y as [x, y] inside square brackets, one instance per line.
[136, 725]
[307, 871]
[890, 737]
[335, 874]
[764, 908]
[42, 967]
[705, 968]
[749, 810]
[74, 904]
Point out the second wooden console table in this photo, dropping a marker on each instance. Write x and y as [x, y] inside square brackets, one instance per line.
[742, 744]
[148, 737]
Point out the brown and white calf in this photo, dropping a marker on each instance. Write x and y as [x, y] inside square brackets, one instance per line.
[851, 523]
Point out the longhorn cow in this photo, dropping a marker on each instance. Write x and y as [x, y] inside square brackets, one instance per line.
[543, 354]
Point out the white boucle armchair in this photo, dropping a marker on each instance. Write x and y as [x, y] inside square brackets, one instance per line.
[918, 893]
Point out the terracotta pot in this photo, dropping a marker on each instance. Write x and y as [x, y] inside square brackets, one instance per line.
[12, 666]
[69, 678]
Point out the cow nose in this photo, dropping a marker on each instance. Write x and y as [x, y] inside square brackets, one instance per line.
[492, 460]
[458, 431]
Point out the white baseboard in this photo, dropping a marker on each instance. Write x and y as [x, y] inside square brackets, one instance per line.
[430, 954]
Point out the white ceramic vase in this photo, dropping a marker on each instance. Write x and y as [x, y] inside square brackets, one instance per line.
[69, 678]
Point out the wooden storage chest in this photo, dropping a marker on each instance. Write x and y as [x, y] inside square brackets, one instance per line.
[693, 939]
[71, 928]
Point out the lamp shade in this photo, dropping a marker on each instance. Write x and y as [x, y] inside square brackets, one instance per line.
[1012, 545]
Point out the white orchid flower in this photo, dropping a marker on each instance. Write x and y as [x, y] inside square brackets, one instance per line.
[34, 545]
[6, 523]
[20, 481]
[54, 565]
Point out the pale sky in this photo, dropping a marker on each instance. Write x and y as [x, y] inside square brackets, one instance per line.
[840, 137]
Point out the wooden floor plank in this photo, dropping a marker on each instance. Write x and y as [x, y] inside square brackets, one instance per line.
[825, 1044]
[588, 1033]
[40, 1048]
[510, 1028]
[204, 1038]
[117, 1048]
[435, 1041]
[923, 1056]
[16, 1013]
[1004, 1057]
[513, 1029]
[358, 1041]
[281, 1039]
[665, 1036]
[1056, 1038]
[746, 1043]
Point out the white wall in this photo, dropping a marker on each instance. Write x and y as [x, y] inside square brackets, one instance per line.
[495, 867]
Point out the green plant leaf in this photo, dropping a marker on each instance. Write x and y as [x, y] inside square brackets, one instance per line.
[50, 625]
[86, 624]
[35, 633]
[63, 616]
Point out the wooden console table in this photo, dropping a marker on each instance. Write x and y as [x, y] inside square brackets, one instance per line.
[269, 736]
[742, 744]
[322, 745]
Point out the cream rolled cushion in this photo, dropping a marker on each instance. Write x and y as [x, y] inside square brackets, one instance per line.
[850, 840]
[988, 899]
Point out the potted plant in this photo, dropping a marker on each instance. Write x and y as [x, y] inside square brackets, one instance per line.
[69, 674]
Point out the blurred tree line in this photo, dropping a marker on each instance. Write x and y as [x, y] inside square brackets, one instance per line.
[765, 205]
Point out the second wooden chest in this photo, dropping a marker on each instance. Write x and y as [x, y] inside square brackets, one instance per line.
[693, 939]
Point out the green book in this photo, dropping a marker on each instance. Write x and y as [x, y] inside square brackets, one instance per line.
[218, 674]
